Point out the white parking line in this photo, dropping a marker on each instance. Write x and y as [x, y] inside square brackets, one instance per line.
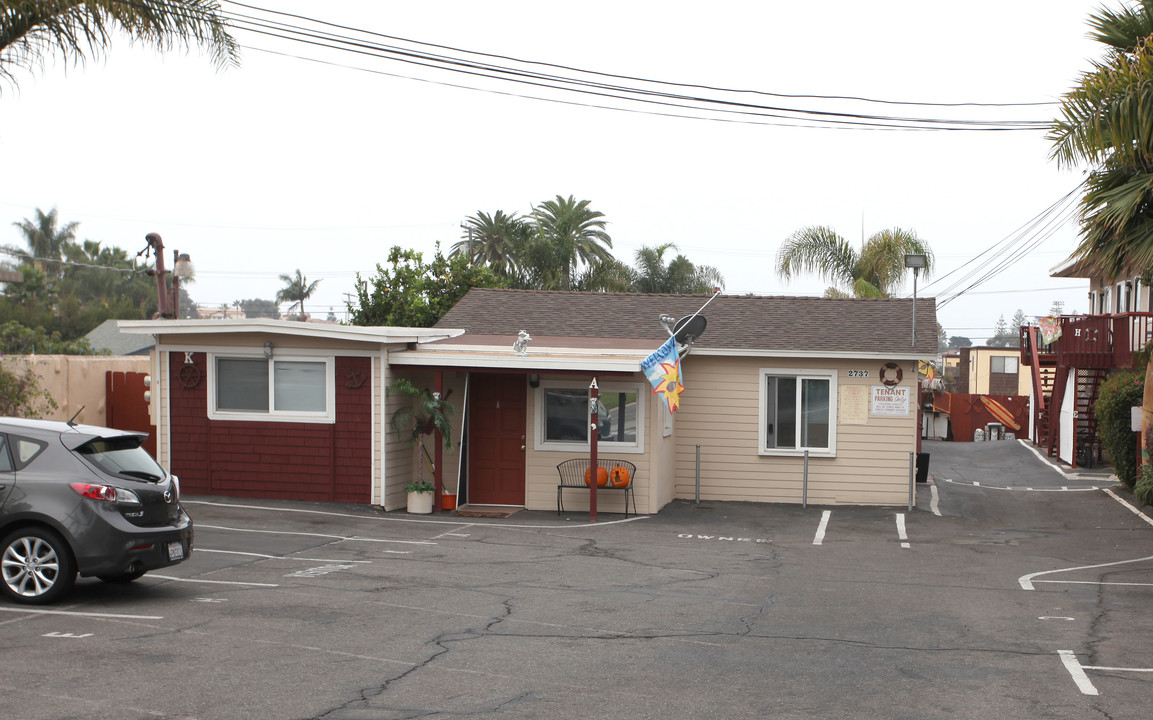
[210, 582]
[1077, 672]
[904, 536]
[1063, 488]
[1026, 581]
[80, 614]
[935, 502]
[319, 535]
[1132, 509]
[499, 524]
[278, 557]
[820, 538]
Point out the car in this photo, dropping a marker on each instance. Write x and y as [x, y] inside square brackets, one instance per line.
[83, 500]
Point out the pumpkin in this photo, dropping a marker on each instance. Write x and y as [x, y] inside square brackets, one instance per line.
[602, 477]
[619, 477]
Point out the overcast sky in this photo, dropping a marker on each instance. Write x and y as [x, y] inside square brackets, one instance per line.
[285, 163]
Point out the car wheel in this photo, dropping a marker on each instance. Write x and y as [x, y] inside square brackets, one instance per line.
[36, 566]
[123, 577]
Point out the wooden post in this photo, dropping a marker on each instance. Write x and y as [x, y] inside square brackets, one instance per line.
[594, 432]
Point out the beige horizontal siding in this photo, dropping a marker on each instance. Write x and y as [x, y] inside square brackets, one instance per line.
[720, 411]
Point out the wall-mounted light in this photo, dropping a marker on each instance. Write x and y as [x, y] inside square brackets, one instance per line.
[268, 349]
[534, 380]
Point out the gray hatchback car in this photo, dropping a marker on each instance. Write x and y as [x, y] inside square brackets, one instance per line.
[82, 499]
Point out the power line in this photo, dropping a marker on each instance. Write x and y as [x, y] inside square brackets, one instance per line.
[722, 108]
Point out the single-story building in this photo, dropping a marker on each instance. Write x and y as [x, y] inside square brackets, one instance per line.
[774, 388]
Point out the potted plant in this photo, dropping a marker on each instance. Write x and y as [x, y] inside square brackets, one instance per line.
[420, 496]
[427, 412]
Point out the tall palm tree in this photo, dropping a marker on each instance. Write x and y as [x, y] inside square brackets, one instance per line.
[33, 31]
[46, 241]
[296, 290]
[679, 275]
[496, 240]
[569, 234]
[1104, 123]
[876, 270]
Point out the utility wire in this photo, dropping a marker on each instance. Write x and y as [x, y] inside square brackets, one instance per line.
[583, 85]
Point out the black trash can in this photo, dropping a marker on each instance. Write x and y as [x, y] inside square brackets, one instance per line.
[922, 467]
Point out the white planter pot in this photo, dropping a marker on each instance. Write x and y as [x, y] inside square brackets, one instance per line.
[420, 502]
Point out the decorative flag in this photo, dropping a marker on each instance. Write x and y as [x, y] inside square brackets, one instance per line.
[927, 369]
[1050, 328]
[663, 369]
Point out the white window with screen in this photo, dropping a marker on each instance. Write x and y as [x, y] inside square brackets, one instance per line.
[563, 422]
[798, 412]
[1004, 364]
[288, 389]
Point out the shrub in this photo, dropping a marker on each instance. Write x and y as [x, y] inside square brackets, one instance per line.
[1118, 394]
[1143, 490]
[20, 391]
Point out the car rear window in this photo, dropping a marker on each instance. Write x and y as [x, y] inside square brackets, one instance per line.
[122, 456]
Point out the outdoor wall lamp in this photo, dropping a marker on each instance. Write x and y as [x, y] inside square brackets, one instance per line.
[268, 349]
[534, 380]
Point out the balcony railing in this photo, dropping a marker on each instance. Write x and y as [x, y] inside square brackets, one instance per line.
[1091, 341]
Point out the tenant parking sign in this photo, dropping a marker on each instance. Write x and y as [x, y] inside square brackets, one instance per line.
[890, 401]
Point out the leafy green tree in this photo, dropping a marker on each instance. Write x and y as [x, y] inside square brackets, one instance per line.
[256, 308]
[17, 339]
[412, 293]
[957, 342]
[296, 290]
[569, 235]
[876, 270]
[31, 32]
[679, 275]
[942, 339]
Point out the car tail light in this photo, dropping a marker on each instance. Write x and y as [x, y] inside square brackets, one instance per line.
[107, 493]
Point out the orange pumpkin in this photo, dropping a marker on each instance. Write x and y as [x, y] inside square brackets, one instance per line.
[619, 477]
[602, 477]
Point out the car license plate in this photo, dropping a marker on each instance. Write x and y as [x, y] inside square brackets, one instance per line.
[175, 551]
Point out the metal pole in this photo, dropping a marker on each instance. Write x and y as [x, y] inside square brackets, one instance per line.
[915, 270]
[805, 483]
[912, 478]
[594, 401]
[698, 474]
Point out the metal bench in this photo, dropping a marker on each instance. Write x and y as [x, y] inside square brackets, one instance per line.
[572, 477]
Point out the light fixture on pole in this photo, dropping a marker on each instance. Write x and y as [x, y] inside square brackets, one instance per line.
[917, 262]
[182, 269]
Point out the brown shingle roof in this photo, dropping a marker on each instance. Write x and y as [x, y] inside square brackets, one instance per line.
[735, 322]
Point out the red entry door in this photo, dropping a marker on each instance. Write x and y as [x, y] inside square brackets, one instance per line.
[496, 439]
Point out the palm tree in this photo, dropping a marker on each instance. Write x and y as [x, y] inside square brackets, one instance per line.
[46, 241]
[296, 290]
[1105, 124]
[568, 234]
[496, 240]
[679, 275]
[877, 270]
[32, 32]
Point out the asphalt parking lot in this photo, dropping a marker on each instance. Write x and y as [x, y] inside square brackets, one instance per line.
[1011, 590]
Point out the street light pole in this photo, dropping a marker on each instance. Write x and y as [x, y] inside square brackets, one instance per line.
[915, 261]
